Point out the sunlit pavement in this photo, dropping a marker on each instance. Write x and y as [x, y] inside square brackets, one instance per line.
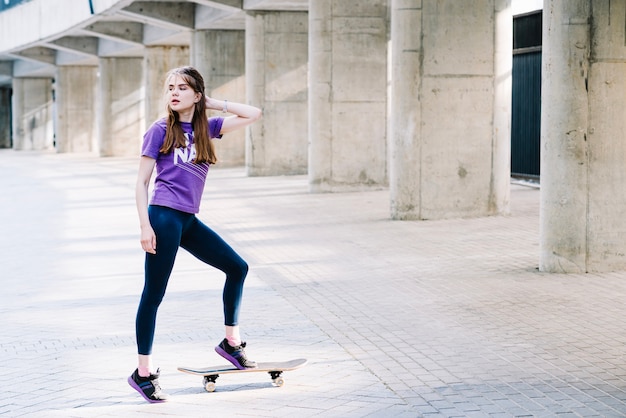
[430, 318]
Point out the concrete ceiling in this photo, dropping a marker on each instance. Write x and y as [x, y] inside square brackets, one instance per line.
[127, 28]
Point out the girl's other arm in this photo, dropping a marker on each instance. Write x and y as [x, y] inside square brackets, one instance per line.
[148, 237]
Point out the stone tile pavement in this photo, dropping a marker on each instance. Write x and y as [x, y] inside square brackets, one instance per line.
[408, 319]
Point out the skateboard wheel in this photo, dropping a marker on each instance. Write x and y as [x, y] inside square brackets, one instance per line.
[279, 381]
[209, 383]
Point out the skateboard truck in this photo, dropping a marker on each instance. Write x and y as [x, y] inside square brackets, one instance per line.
[209, 381]
[277, 378]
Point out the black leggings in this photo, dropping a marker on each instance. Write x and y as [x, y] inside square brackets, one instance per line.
[175, 229]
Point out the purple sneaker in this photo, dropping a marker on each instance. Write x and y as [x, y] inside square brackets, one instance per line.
[235, 355]
[148, 387]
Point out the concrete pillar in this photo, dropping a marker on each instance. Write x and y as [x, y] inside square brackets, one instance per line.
[405, 117]
[5, 118]
[219, 55]
[450, 110]
[75, 111]
[583, 151]
[33, 121]
[500, 189]
[158, 60]
[347, 94]
[276, 81]
[121, 119]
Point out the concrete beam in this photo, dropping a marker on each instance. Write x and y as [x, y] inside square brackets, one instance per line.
[130, 32]
[230, 5]
[277, 5]
[111, 48]
[219, 18]
[30, 69]
[82, 45]
[39, 54]
[179, 15]
[154, 35]
[64, 58]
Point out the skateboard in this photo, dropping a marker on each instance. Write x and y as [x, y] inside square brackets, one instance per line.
[275, 370]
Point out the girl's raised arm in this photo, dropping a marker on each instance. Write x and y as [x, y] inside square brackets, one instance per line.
[242, 114]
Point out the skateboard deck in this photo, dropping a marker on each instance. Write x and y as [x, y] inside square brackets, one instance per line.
[274, 369]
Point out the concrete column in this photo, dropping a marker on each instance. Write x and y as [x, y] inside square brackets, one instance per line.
[219, 55]
[347, 94]
[121, 121]
[75, 112]
[450, 111]
[158, 60]
[276, 81]
[583, 203]
[33, 121]
[500, 189]
[5, 118]
[406, 109]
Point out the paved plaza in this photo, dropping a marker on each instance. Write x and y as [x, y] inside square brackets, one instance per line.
[398, 319]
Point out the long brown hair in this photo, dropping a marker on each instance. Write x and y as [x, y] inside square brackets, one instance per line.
[174, 135]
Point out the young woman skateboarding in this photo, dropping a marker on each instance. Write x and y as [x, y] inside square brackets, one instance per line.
[181, 147]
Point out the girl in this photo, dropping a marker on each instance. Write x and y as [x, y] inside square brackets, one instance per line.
[181, 147]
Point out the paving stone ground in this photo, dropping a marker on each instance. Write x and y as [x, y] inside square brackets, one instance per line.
[406, 319]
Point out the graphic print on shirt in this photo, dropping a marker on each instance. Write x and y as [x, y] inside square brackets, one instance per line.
[184, 157]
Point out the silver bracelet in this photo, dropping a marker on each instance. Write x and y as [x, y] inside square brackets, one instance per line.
[225, 108]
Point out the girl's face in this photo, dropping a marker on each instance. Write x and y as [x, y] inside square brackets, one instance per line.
[180, 96]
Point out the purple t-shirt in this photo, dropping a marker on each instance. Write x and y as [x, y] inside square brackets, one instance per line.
[179, 182]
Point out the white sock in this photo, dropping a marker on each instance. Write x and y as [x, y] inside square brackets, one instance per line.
[233, 341]
[143, 371]
[232, 335]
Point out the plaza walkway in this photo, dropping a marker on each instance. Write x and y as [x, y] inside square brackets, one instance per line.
[398, 319]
